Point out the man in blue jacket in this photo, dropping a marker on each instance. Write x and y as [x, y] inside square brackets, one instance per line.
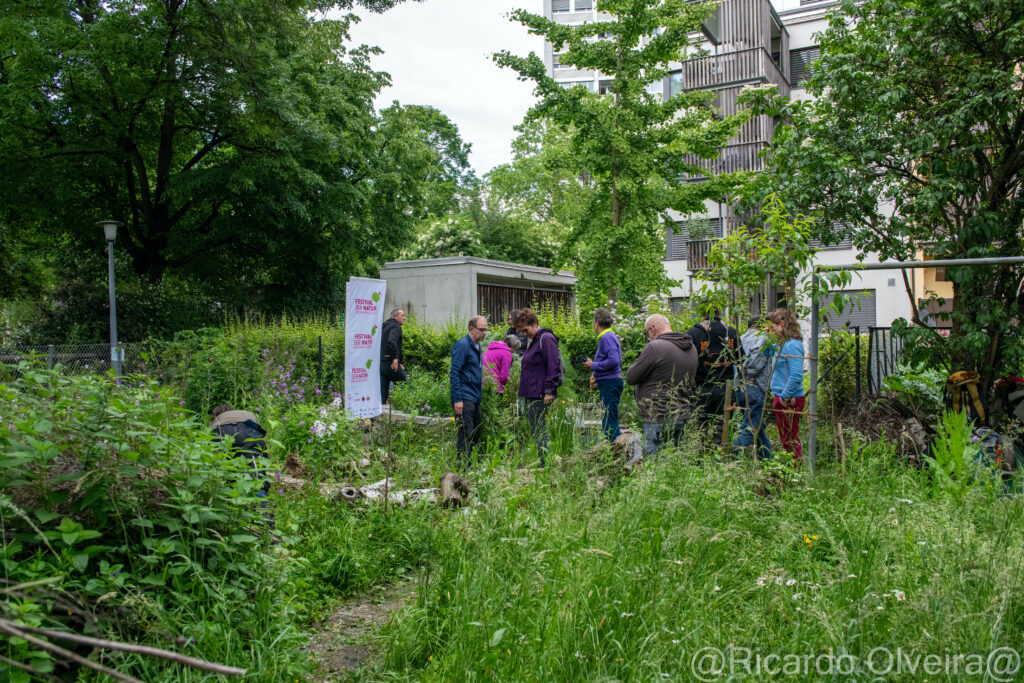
[466, 379]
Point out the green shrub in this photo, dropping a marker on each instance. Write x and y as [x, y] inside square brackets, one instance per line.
[113, 493]
[919, 387]
[428, 347]
[837, 357]
[327, 440]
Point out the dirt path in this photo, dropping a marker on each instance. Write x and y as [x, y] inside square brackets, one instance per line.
[341, 643]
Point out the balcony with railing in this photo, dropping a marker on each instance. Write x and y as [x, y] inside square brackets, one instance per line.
[741, 157]
[741, 67]
[697, 252]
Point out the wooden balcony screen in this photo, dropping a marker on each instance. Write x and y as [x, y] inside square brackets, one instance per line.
[752, 65]
[697, 254]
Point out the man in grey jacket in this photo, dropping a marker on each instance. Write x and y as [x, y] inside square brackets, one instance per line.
[754, 376]
[663, 375]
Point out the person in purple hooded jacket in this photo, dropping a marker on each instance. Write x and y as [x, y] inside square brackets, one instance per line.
[607, 371]
[540, 375]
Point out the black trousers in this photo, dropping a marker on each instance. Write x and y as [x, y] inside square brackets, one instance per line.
[469, 431]
[536, 416]
[387, 376]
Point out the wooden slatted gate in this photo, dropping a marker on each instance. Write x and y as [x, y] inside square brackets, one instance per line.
[496, 301]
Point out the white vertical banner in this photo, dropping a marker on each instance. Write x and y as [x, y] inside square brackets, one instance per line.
[364, 315]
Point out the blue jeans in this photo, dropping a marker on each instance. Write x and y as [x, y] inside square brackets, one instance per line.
[610, 391]
[752, 419]
[657, 435]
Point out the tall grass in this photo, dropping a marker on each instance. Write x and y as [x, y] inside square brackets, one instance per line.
[563, 579]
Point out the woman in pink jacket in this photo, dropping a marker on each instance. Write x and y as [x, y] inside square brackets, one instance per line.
[497, 359]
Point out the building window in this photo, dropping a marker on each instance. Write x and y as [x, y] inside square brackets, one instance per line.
[679, 304]
[589, 85]
[675, 242]
[841, 240]
[858, 309]
[800, 64]
[675, 83]
[555, 63]
[584, 5]
[558, 6]
[605, 88]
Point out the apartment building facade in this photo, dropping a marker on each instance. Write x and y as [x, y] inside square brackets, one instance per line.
[751, 42]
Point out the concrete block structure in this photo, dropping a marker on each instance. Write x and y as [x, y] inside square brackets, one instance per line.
[452, 289]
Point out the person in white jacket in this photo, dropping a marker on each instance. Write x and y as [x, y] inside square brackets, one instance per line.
[753, 377]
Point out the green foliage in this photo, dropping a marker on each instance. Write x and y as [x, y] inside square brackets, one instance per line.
[914, 143]
[952, 463]
[132, 511]
[256, 362]
[77, 308]
[430, 347]
[920, 387]
[837, 352]
[351, 549]
[265, 186]
[424, 393]
[777, 248]
[453, 235]
[631, 145]
[328, 442]
[565, 579]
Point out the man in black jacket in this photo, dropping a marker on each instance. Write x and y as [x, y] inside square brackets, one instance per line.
[719, 350]
[391, 368]
[513, 329]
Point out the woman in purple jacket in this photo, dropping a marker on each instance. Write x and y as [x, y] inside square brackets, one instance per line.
[606, 369]
[540, 375]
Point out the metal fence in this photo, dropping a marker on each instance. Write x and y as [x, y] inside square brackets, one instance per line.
[77, 359]
[884, 351]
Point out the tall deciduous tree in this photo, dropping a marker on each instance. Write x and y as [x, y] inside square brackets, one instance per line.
[236, 140]
[914, 144]
[632, 143]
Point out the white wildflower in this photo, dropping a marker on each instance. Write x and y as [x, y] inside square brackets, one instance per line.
[900, 595]
[791, 582]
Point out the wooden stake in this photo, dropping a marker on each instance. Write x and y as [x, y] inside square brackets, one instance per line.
[727, 411]
[387, 464]
[842, 454]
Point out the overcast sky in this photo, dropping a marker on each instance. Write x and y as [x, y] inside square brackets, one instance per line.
[438, 53]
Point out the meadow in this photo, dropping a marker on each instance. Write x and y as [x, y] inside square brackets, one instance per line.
[121, 518]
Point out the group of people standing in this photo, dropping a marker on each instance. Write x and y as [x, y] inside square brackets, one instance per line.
[677, 376]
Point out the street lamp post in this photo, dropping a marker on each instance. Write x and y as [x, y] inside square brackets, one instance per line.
[110, 232]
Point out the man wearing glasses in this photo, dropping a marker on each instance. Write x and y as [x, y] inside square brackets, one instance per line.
[466, 386]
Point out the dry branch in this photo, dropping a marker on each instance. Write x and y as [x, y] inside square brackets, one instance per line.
[11, 629]
[146, 650]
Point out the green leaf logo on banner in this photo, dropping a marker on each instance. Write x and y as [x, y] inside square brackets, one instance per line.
[369, 362]
[375, 297]
[373, 330]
